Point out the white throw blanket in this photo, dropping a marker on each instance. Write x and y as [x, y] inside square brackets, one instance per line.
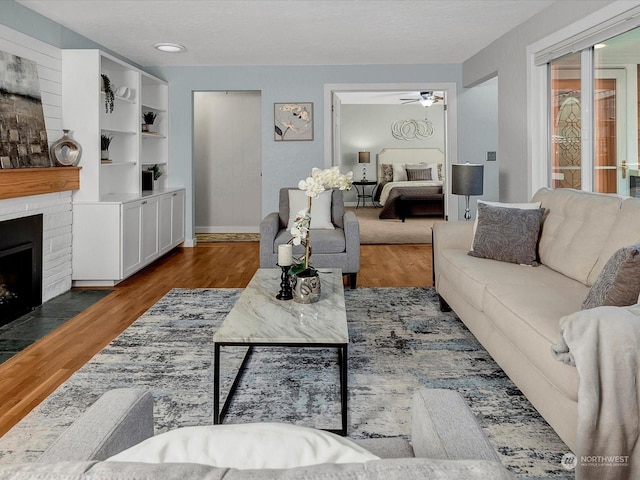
[604, 345]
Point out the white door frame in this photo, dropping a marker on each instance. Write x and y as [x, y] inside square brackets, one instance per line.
[451, 124]
[620, 75]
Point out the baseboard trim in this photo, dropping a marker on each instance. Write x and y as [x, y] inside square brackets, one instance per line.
[229, 229]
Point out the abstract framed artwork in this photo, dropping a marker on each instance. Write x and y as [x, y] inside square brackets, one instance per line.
[23, 138]
[293, 121]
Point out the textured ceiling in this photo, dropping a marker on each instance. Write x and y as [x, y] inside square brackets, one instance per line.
[292, 32]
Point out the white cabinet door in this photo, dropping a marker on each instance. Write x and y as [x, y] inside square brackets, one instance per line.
[131, 237]
[149, 229]
[177, 218]
[164, 230]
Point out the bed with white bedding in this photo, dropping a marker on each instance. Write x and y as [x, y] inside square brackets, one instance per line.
[410, 177]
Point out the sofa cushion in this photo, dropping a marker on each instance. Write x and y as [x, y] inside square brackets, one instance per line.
[507, 234]
[531, 323]
[618, 284]
[471, 275]
[575, 229]
[625, 231]
[246, 446]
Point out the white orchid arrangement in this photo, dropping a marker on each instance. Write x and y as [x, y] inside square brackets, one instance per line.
[314, 185]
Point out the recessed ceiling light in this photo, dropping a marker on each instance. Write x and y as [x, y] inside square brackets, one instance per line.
[170, 47]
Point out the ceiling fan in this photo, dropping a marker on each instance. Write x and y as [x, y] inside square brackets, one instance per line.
[427, 98]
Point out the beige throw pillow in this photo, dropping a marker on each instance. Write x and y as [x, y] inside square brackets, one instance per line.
[320, 209]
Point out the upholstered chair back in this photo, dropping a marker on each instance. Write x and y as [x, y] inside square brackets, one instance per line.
[337, 207]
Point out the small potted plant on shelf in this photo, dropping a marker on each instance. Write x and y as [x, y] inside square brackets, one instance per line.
[105, 141]
[149, 118]
[109, 96]
[157, 173]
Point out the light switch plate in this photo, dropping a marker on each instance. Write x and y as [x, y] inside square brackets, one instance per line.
[491, 156]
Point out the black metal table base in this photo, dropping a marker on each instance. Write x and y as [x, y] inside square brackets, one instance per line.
[362, 195]
[220, 414]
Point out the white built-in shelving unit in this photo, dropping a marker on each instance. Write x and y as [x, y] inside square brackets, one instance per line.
[118, 228]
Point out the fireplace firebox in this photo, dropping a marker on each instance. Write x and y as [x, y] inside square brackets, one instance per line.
[20, 266]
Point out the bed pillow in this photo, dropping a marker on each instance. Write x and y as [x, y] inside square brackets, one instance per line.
[320, 209]
[387, 172]
[507, 234]
[246, 446]
[400, 170]
[619, 282]
[415, 174]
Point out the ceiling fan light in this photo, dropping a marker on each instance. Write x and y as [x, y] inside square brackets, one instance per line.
[426, 102]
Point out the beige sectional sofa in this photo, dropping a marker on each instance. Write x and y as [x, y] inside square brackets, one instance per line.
[514, 310]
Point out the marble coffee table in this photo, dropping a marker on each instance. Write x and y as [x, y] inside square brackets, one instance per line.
[259, 319]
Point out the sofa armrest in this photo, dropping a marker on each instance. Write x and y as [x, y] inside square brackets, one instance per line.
[352, 241]
[118, 420]
[269, 228]
[443, 427]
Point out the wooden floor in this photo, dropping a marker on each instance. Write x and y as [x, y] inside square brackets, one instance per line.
[33, 374]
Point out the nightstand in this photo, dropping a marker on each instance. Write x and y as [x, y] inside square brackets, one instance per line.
[362, 195]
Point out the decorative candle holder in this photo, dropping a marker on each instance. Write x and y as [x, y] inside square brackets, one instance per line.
[285, 287]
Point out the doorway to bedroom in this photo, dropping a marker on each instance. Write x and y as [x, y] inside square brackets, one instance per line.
[378, 118]
[392, 124]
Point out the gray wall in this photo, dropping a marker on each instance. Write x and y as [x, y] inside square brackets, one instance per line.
[480, 137]
[283, 163]
[507, 57]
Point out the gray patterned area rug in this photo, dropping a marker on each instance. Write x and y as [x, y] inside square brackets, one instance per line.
[399, 342]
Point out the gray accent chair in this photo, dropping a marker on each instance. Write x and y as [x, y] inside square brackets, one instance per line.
[339, 248]
[446, 441]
